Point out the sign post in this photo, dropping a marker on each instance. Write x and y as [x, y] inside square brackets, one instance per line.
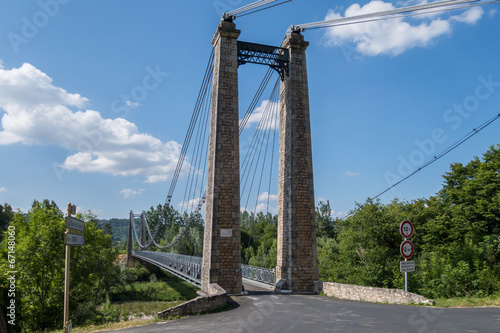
[70, 239]
[406, 249]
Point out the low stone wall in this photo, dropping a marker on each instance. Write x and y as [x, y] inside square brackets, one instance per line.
[203, 303]
[371, 294]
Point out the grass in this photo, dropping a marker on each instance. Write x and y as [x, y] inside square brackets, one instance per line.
[166, 290]
[466, 302]
[139, 302]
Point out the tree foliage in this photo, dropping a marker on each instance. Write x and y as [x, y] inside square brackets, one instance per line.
[455, 238]
[40, 253]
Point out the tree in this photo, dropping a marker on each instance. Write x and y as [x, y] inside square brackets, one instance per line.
[6, 216]
[325, 225]
[40, 255]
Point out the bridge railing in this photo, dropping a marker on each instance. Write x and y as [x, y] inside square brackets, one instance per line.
[191, 266]
[264, 275]
[186, 264]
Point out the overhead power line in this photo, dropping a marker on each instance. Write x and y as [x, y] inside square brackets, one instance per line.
[437, 157]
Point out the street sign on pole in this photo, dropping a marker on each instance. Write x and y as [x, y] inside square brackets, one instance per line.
[73, 239]
[407, 266]
[406, 229]
[74, 224]
[406, 249]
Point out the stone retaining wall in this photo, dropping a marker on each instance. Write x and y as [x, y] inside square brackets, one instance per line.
[204, 303]
[371, 294]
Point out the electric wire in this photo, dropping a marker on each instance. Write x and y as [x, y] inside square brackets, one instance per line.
[437, 157]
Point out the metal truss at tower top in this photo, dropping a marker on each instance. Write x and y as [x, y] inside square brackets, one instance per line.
[275, 57]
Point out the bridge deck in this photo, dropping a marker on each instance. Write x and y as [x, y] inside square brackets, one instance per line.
[188, 268]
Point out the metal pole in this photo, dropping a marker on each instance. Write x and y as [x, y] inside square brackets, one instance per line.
[66, 278]
[66, 288]
[406, 277]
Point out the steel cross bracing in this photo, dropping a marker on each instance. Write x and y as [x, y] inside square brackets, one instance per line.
[275, 57]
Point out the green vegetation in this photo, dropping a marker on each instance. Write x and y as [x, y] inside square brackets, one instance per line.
[456, 237]
[456, 252]
[464, 302]
[98, 283]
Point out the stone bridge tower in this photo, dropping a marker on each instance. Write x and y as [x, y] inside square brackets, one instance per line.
[222, 238]
[297, 258]
[297, 267]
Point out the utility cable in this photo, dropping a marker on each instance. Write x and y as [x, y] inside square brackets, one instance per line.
[437, 157]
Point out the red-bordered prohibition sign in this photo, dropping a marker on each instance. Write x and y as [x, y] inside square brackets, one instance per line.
[406, 249]
[406, 229]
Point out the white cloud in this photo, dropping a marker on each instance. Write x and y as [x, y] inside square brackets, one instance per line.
[189, 205]
[335, 214]
[264, 196]
[470, 16]
[262, 207]
[393, 36]
[129, 193]
[271, 121]
[491, 13]
[351, 174]
[38, 113]
[3, 189]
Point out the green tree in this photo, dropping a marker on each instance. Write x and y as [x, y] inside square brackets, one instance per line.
[6, 216]
[325, 225]
[40, 255]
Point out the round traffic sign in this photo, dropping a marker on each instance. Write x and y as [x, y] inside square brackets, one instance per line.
[406, 229]
[407, 249]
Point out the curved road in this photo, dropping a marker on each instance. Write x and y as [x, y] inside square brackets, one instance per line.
[268, 312]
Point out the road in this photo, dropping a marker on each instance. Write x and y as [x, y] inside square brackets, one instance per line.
[268, 312]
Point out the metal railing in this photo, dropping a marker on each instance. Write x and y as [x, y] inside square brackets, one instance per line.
[186, 267]
[189, 268]
[264, 275]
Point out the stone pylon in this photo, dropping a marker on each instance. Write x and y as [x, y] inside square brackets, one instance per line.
[297, 266]
[222, 239]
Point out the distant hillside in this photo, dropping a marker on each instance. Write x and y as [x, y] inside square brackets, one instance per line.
[119, 228]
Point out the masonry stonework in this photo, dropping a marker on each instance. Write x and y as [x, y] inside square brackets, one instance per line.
[222, 247]
[297, 265]
[371, 294]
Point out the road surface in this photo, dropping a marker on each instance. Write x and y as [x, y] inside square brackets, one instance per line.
[268, 312]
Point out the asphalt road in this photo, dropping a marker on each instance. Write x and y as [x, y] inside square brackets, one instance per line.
[267, 312]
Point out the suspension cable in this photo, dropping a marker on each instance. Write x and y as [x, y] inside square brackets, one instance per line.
[204, 87]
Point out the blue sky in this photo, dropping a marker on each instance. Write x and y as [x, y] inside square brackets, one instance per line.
[96, 96]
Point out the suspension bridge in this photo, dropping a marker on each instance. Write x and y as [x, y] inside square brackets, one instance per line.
[222, 183]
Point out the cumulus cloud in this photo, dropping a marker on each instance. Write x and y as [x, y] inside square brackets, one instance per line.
[262, 204]
[129, 193]
[393, 36]
[189, 205]
[265, 196]
[271, 121]
[39, 113]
